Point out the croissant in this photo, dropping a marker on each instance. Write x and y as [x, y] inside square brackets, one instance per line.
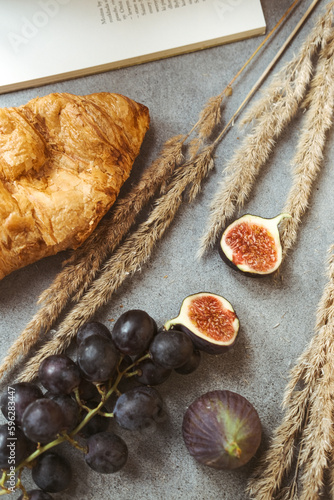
[63, 160]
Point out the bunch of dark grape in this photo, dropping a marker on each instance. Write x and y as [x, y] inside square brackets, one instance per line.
[68, 402]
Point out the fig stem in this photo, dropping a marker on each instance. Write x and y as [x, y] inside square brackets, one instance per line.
[280, 217]
[170, 323]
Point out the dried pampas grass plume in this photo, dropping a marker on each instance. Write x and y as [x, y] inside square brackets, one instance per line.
[270, 115]
[86, 262]
[307, 425]
[309, 156]
[210, 116]
[128, 258]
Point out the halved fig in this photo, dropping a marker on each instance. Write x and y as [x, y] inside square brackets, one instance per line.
[252, 244]
[222, 429]
[209, 320]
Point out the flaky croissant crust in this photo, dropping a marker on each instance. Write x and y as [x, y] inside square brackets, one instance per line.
[63, 160]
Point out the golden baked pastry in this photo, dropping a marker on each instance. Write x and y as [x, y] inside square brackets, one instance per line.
[63, 160]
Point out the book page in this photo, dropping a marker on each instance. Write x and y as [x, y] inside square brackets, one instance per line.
[41, 39]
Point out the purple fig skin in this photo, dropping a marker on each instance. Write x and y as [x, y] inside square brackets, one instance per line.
[203, 344]
[221, 429]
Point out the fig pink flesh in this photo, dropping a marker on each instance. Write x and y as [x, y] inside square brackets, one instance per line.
[211, 318]
[252, 245]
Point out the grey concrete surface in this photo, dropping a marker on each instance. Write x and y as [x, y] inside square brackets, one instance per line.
[277, 316]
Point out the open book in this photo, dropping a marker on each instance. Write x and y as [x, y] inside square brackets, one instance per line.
[43, 41]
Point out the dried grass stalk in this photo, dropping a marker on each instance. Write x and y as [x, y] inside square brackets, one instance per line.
[130, 256]
[82, 268]
[309, 156]
[278, 460]
[210, 116]
[307, 422]
[331, 477]
[85, 263]
[317, 437]
[309, 364]
[209, 119]
[271, 114]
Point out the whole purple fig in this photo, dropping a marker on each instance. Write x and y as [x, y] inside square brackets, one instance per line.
[221, 429]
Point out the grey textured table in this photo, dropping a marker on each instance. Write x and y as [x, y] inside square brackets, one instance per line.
[277, 317]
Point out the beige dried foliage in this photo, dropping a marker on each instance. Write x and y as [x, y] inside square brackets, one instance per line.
[326, 308]
[307, 424]
[72, 282]
[209, 120]
[317, 437]
[289, 493]
[278, 460]
[270, 115]
[210, 117]
[127, 259]
[309, 156]
[82, 268]
[309, 364]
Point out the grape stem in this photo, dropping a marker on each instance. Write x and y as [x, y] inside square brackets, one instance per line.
[104, 414]
[105, 391]
[132, 374]
[75, 443]
[4, 490]
[77, 397]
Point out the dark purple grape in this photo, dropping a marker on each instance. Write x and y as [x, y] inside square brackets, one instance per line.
[98, 423]
[59, 374]
[191, 365]
[70, 409]
[133, 332]
[97, 359]
[171, 349]
[14, 446]
[52, 472]
[107, 452]
[150, 373]
[42, 420]
[36, 495]
[16, 398]
[139, 408]
[92, 328]
[87, 390]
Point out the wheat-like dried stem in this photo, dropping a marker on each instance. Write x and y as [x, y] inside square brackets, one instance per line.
[82, 268]
[271, 115]
[128, 258]
[309, 156]
[309, 364]
[317, 437]
[302, 411]
[210, 116]
[277, 462]
[74, 280]
[326, 307]
[331, 477]
[319, 37]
